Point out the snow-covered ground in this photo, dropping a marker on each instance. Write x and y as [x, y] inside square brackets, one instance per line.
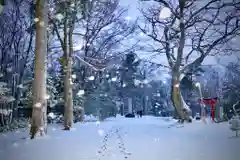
[120, 138]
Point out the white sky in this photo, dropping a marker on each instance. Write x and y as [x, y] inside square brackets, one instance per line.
[134, 13]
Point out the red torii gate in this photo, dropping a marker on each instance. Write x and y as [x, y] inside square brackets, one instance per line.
[212, 102]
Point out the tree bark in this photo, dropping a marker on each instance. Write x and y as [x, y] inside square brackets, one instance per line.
[177, 99]
[39, 83]
[68, 96]
[146, 105]
[67, 47]
[130, 109]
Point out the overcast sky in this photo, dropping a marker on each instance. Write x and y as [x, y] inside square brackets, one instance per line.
[134, 13]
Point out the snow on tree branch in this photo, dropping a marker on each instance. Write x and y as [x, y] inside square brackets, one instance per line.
[88, 64]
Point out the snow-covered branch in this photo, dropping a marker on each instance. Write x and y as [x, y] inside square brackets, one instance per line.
[88, 64]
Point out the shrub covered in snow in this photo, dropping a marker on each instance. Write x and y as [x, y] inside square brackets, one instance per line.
[90, 118]
[78, 114]
[16, 124]
[51, 117]
[235, 124]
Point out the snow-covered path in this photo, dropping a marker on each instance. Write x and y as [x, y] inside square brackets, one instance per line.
[120, 138]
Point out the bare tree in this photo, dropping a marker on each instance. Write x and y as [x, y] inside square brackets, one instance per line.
[230, 91]
[97, 28]
[194, 29]
[23, 45]
[16, 41]
[63, 20]
[104, 29]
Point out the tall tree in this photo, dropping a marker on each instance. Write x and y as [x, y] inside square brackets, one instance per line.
[192, 29]
[128, 77]
[16, 41]
[39, 122]
[104, 30]
[231, 92]
[64, 20]
[100, 29]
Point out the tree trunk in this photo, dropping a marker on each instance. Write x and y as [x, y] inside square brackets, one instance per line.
[175, 114]
[68, 96]
[122, 109]
[181, 110]
[146, 105]
[130, 109]
[39, 83]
